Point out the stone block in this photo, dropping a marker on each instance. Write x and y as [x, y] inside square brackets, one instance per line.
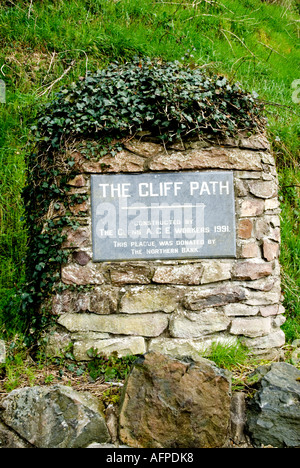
[263, 189]
[202, 298]
[169, 403]
[81, 257]
[262, 298]
[272, 204]
[131, 273]
[146, 149]
[2, 352]
[272, 340]
[245, 228]
[251, 270]
[240, 310]
[122, 346]
[55, 417]
[271, 310]
[186, 348]
[143, 299]
[76, 239]
[82, 275]
[250, 250]
[215, 271]
[252, 327]
[210, 158]
[77, 181]
[251, 207]
[196, 325]
[184, 274]
[124, 161]
[270, 250]
[149, 325]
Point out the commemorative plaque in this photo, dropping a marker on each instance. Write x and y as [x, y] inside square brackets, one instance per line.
[174, 215]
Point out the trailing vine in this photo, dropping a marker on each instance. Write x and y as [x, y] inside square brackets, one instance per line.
[167, 99]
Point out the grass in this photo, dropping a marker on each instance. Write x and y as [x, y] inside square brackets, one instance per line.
[47, 44]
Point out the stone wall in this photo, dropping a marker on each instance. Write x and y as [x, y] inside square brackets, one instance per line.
[175, 307]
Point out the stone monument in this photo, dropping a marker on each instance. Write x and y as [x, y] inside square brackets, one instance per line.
[175, 247]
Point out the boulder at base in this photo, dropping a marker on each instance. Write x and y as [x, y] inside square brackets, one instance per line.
[169, 403]
[273, 415]
[55, 417]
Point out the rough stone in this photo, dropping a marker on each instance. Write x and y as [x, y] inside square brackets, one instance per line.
[251, 207]
[185, 274]
[275, 339]
[238, 418]
[274, 309]
[145, 149]
[55, 417]
[124, 161]
[82, 275]
[272, 204]
[2, 352]
[196, 325]
[263, 189]
[76, 239]
[100, 300]
[57, 343]
[78, 181]
[183, 348]
[213, 297]
[121, 346]
[144, 300]
[251, 270]
[250, 250]
[148, 325]
[245, 228]
[10, 440]
[270, 250]
[130, 273]
[273, 414]
[215, 271]
[82, 258]
[252, 327]
[240, 310]
[171, 404]
[210, 158]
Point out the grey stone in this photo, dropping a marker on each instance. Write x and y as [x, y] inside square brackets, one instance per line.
[196, 325]
[55, 417]
[149, 325]
[273, 414]
[238, 418]
[142, 299]
[122, 346]
[210, 158]
[202, 298]
[9, 439]
[251, 326]
[184, 274]
[186, 348]
[2, 352]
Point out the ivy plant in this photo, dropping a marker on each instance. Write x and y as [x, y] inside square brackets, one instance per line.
[169, 100]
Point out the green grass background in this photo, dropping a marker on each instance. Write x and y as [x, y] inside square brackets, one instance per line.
[47, 44]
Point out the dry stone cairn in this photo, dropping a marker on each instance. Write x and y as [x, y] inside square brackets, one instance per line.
[177, 307]
[173, 299]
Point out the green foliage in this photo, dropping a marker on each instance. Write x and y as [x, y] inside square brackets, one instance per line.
[46, 44]
[109, 368]
[168, 99]
[227, 356]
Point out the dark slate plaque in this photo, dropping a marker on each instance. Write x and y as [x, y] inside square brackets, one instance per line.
[174, 215]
